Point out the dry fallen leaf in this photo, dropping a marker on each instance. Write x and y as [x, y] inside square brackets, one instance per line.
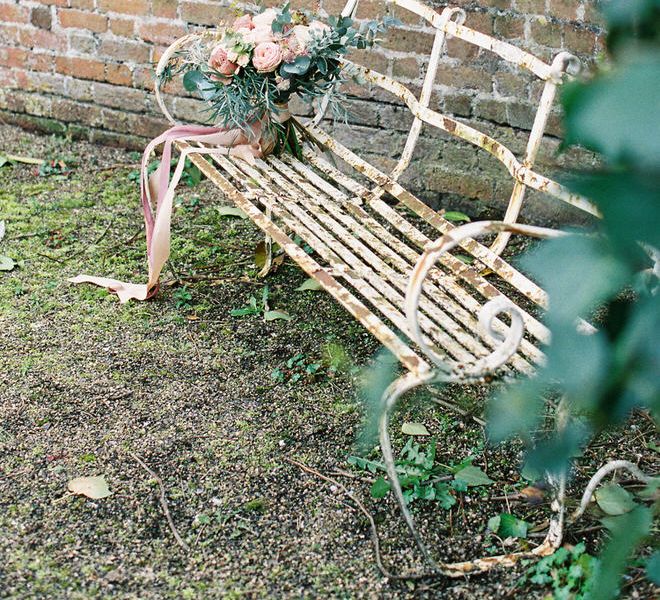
[92, 487]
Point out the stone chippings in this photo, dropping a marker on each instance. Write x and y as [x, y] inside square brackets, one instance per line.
[84, 382]
[85, 68]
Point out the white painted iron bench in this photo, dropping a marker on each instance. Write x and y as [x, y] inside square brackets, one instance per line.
[442, 318]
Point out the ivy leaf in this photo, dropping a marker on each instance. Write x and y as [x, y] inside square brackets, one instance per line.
[473, 476]
[614, 500]
[380, 488]
[508, 525]
[92, 487]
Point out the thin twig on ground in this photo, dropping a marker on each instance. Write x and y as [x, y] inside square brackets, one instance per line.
[163, 502]
[367, 514]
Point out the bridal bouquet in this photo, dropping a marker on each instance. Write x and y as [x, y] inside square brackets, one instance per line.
[247, 71]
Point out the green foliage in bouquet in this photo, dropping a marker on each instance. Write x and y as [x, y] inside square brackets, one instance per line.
[247, 73]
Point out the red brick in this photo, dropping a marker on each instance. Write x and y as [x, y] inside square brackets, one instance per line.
[129, 7]
[118, 74]
[414, 42]
[14, 13]
[84, 4]
[161, 33]
[563, 9]
[83, 68]
[203, 13]
[123, 50]
[9, 34]
[42, 39]
[122, 26]
[165, 8]
[41, 17]
[79, 19]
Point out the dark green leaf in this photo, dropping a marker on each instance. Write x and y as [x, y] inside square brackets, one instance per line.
[380, 488]
[614, 500]
[473, 476]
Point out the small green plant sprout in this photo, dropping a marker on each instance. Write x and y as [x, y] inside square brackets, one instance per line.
[56, 166]
[182, 298]
[262, 308]
[301, 368]
[421, 478]
[191, 174]
[569, 572]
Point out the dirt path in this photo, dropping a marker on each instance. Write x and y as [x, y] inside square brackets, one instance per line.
[86, 386]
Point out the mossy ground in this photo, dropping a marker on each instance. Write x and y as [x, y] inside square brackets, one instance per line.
[86, 385]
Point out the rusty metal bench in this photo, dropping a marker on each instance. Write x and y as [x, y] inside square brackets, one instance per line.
[444, 320]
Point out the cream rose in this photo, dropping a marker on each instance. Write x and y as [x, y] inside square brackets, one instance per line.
[303, 33]
[258, 35]
[265, 19]
[266, 57]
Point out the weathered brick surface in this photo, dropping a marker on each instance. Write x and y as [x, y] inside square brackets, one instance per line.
[86, 67]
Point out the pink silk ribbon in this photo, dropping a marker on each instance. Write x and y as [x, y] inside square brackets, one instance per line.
[217, 141]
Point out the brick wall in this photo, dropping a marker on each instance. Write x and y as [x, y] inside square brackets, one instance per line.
[85, 68]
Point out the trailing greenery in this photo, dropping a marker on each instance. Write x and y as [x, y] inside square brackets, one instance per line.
[421, 477]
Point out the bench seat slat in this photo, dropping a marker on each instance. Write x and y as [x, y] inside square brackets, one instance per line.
[438, 298]
[368, 281]
[372, 248]
[454, 265]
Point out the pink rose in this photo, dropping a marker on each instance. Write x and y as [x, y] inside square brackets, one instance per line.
[244, 22]
[220, 62]
[267, 56]
[265, 19]
[292, 49]
[259, 35]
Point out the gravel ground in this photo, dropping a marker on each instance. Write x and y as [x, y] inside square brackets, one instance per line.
[178, 392]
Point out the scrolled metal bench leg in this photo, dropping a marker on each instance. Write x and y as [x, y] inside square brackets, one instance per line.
[553, 539]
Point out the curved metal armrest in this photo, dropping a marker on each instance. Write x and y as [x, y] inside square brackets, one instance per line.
[507, 345]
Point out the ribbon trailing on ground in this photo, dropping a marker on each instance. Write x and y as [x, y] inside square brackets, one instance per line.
[236, 142]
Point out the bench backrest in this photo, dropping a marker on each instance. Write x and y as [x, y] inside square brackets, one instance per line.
[449, 23]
